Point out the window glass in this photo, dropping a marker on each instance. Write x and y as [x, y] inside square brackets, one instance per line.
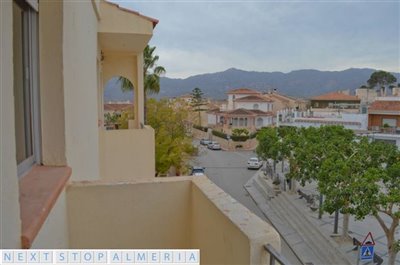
[25, 66]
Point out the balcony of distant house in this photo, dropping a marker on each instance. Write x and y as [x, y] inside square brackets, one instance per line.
[340, 101]
[384, 115]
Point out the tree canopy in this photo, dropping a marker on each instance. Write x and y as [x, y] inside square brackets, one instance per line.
[173, 146]
[357, 176]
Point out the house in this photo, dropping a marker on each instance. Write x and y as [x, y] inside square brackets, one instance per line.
[281, 102]
[334, 108]
[66, 182]
[384, 114]
[338, 100]
[245, 108]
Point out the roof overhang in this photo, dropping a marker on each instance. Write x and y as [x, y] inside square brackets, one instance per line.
[123, 30]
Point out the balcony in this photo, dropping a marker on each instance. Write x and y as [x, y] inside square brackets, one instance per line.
[177, 212]
[127, 154]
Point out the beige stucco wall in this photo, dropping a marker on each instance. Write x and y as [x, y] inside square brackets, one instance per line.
[176, 212]
[10, 224]
[127, 154]
[51, 82]
[54, 231]
[143, 215]
[225, 231]
[80, 89]
[219, 241]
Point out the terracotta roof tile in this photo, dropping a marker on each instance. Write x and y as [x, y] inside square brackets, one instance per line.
[384, 105]
[249, 112]
[253, 98]
[336, 96]
[153, 20]
[243, 91]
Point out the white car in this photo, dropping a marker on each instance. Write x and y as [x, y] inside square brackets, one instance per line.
[254, 163]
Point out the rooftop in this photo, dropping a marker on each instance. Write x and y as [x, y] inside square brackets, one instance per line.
[336, 96]
[153, 20]
[254, 98]
[243, 91]
[384, 105]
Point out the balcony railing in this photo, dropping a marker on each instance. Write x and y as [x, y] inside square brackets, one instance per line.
[275, 256]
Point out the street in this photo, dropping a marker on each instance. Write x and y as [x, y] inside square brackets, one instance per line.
[228, 170]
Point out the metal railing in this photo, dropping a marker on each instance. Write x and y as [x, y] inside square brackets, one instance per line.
[275, 256]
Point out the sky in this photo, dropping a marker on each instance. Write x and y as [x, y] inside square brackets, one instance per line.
[204, 36]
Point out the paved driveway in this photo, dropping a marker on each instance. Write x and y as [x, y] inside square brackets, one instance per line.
[228, 170]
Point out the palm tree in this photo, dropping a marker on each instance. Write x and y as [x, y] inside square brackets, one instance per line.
[151, 75]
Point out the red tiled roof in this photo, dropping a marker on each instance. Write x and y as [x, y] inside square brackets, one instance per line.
[153, 20]
[249, 112]
[243, 91]
[384, 105]
[253, 98]
[117, 107]
[336, 96]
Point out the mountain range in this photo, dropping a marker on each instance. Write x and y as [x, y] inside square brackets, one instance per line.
[300, 83]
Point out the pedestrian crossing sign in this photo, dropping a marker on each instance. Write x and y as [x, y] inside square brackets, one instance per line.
[367, 252]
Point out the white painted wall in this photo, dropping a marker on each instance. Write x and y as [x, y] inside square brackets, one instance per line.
[10, 223]
[264, 106]
[80, 88]
[211, 119]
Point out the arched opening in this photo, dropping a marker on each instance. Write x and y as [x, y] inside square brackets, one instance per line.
[255, 106]
[259, 122]
[118, 107]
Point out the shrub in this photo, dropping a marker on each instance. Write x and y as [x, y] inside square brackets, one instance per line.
[201, 128]
[220, 134]
[239, 138]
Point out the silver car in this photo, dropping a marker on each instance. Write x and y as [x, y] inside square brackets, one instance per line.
[254, 163]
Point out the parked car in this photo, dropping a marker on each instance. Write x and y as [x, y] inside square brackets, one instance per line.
[197, 171]
[254, 163]
[215, 146]
[204, 142]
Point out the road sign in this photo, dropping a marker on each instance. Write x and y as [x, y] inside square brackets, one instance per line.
[368, 240]
[367, 252]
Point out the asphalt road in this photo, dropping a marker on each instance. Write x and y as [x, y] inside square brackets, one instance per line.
[228, 170]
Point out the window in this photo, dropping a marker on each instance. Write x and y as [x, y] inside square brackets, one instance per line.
[26, 89]
[389, 122]
[255, 106]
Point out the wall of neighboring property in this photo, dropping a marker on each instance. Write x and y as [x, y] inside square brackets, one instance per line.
[10, 223]
[211, 119]
[80, 89]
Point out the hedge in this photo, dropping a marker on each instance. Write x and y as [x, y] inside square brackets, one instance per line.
[220, 134]
[201, 128]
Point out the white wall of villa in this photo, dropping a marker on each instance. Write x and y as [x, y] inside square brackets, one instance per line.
[264, 106]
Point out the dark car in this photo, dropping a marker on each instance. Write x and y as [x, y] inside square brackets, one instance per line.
[197, 171]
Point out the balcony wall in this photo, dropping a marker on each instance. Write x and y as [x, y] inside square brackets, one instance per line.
[127, 154]
[179, 212]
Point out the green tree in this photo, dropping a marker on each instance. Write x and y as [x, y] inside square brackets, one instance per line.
[197, 102]
[268, 145]
[240, 132]
[381, 79]
[151, 75]
[173, 146]
[377, 192]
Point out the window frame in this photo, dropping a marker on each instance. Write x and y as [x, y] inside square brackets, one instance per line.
[30, 65]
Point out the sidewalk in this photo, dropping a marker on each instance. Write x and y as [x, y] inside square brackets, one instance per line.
[310, 237]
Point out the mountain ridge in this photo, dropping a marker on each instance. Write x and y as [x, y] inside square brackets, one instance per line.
[303, 83]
